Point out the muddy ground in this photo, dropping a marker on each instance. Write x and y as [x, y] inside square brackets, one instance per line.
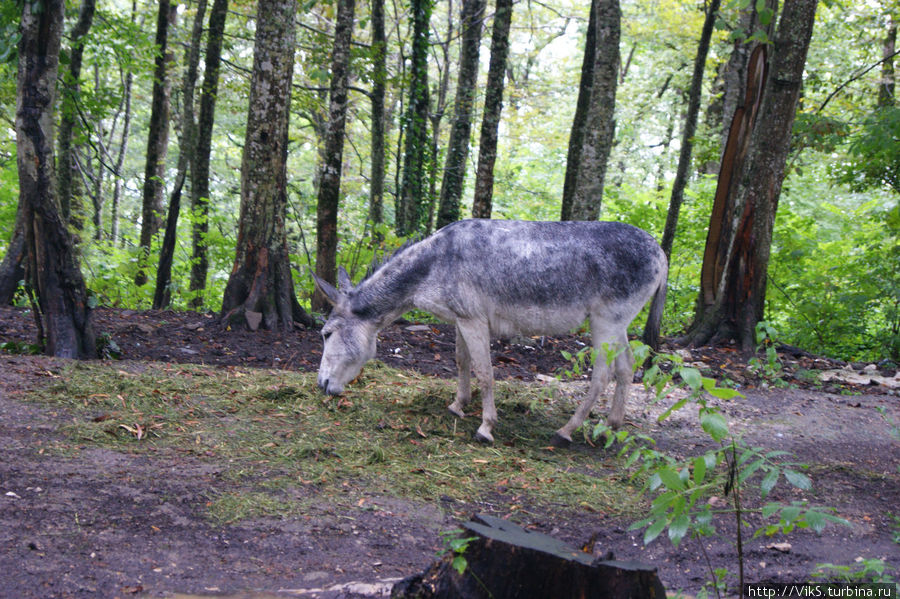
[99, 523]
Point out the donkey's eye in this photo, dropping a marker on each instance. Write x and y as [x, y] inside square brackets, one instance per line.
[325, 336]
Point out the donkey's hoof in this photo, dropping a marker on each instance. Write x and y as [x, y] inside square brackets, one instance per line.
[484, 439]
[560, 441]
[456, 411]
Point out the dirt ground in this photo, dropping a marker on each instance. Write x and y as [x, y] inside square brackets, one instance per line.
[106, 524]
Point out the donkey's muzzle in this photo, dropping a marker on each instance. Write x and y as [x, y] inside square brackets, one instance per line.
[323, 385]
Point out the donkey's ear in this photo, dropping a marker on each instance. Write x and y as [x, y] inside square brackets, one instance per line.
[344, 283]
[328, 290]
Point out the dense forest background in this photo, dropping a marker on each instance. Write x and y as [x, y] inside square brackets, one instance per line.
[134, 110]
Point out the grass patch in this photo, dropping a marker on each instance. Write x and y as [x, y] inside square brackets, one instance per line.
[389, 434]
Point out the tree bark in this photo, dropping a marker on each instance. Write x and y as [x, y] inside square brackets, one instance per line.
[187, 145]
[600, 124]
[200, 167]
[411, 213]
[576, 136]
[67, 169]
[740, 295]
[379, 80]
[650, 337]
[260, 289]
[690, 129]
[482, 203]
[51, 267]
[12, 268]
[330, 176]
[157, 141]
[887, 85]
[123, 148]
[460, 130]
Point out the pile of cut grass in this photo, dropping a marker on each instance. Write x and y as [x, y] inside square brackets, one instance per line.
[389, 434]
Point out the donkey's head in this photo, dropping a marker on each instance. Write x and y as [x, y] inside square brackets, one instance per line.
[349, 340]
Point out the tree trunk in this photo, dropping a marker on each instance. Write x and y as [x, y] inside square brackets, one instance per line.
[260, 289]
[435, 116]
[67, 169]
[187, 145]
[51, 267]
[505, 561]
[687, 146]
[887, 84]
[200, 167]
[12, 269]
[458, 144]
[330, 177]
[576, 136]
[739, 298]
[157, 141]
[379, 80]
[411, 213]
[736, 69]
[600, 124]
[493, 105]
[123, 148]
[690, 129]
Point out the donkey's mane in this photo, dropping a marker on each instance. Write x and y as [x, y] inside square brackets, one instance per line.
[378, 262]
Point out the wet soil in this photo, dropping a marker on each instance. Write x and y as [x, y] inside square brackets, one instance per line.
[99, 523]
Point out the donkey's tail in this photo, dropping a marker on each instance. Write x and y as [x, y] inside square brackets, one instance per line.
[651, 330]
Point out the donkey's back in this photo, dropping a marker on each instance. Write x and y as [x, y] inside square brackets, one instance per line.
[524, 277]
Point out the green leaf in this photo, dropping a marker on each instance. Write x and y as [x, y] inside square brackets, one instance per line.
[460, 564]
[768, 482]
[714, 424]
[699, 470]
[799, 480]
[692, 377]
[816, 520]
[671, 479]
[653, 530]
[678, 528]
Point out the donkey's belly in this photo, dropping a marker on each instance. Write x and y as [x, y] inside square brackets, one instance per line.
[535, 321]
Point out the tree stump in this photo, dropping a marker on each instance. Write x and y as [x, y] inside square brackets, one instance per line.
[505, 561]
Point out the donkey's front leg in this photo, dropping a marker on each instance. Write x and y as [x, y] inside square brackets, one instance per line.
[478, 342]
[464, 382]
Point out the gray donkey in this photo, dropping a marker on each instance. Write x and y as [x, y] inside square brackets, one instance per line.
[497, 278]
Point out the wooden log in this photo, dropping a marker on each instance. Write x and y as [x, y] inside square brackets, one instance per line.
[505, 561]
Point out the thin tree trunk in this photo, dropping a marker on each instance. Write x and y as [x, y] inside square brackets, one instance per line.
[690, 129]
[460, 130]
[379, 76]
[687, 145]
[200, 167]
[162, 295]
[67, 170]
[157, 141]
[740, 296]
[436, 116]
[576, 136]
[123, 148]
[887, 84]
[330, 178]
[493, 105]
[600, 124]
[51, 267]
[260, 290]
[411, 216]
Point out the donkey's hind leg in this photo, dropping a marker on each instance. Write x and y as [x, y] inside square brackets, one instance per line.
[624, 373]
[464, 381]
[599, 382]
